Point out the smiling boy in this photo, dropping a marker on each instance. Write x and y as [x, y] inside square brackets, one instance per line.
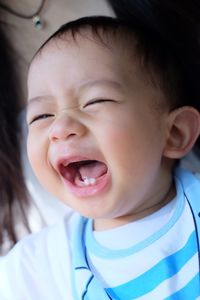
[100, 123]
[105, 131]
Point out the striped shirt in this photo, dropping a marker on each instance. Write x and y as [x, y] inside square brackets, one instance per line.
[162, 264]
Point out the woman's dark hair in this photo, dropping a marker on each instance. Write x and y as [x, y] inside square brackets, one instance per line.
[177, 24]
[13, 192]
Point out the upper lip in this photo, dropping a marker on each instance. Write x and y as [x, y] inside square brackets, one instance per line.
[66, 160]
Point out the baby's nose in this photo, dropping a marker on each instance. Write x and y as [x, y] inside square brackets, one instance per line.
[65, 126]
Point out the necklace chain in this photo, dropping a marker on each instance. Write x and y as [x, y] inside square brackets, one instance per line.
[38, 23]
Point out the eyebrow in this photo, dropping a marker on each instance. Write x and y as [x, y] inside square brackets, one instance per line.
[103, 81]
[38, 99]
[83, 85]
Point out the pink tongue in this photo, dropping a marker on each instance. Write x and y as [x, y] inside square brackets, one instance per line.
[92, 170]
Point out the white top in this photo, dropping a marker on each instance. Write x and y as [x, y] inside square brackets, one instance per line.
[52, 264]
[38, 267]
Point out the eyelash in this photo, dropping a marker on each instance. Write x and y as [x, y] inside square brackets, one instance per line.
[97, 101]
[44, 116]
[39, 117]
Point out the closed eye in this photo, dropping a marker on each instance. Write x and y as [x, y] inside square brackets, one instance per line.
[97, 101]
[41, 117]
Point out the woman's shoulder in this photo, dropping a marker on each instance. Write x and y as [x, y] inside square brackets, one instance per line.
[42, 260]
[46, 239]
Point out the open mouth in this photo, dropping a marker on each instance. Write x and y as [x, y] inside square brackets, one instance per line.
[83, 173]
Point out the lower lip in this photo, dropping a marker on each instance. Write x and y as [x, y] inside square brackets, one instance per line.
[99, 187]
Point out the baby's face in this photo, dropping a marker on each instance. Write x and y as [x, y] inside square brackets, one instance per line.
[95, 136]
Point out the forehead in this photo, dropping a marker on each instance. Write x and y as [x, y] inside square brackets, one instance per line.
[104, 43]
[66, 63]
[87, 64]
[85, 50]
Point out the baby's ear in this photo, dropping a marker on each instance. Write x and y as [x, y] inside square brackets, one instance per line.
[183, 131]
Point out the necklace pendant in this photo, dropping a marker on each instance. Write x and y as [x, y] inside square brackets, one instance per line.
[38, 22]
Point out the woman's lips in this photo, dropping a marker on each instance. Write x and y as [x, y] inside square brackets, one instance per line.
[85, 178]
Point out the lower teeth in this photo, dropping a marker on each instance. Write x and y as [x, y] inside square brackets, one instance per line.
[88, 181]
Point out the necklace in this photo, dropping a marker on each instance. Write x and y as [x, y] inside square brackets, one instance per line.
[37, 21]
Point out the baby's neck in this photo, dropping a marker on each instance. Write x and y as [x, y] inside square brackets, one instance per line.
[106, 224]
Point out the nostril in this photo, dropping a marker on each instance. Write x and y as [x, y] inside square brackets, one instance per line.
[61, 134]
[58, 132]
[65, 127]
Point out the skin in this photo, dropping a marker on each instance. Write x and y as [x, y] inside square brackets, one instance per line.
[128, 131]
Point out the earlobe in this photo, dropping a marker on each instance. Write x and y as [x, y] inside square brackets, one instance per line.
[183, 131]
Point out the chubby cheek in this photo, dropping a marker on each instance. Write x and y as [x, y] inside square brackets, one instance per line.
[121, 144]
[131, 149]
[36, 150]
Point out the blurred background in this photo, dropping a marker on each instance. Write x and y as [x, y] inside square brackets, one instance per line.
[26, 38]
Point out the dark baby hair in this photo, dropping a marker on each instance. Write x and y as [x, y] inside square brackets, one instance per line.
[177, 23]
[166, 39]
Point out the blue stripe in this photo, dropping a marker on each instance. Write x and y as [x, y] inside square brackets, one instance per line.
[190, 292]
[148, 281]
[101, 251]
